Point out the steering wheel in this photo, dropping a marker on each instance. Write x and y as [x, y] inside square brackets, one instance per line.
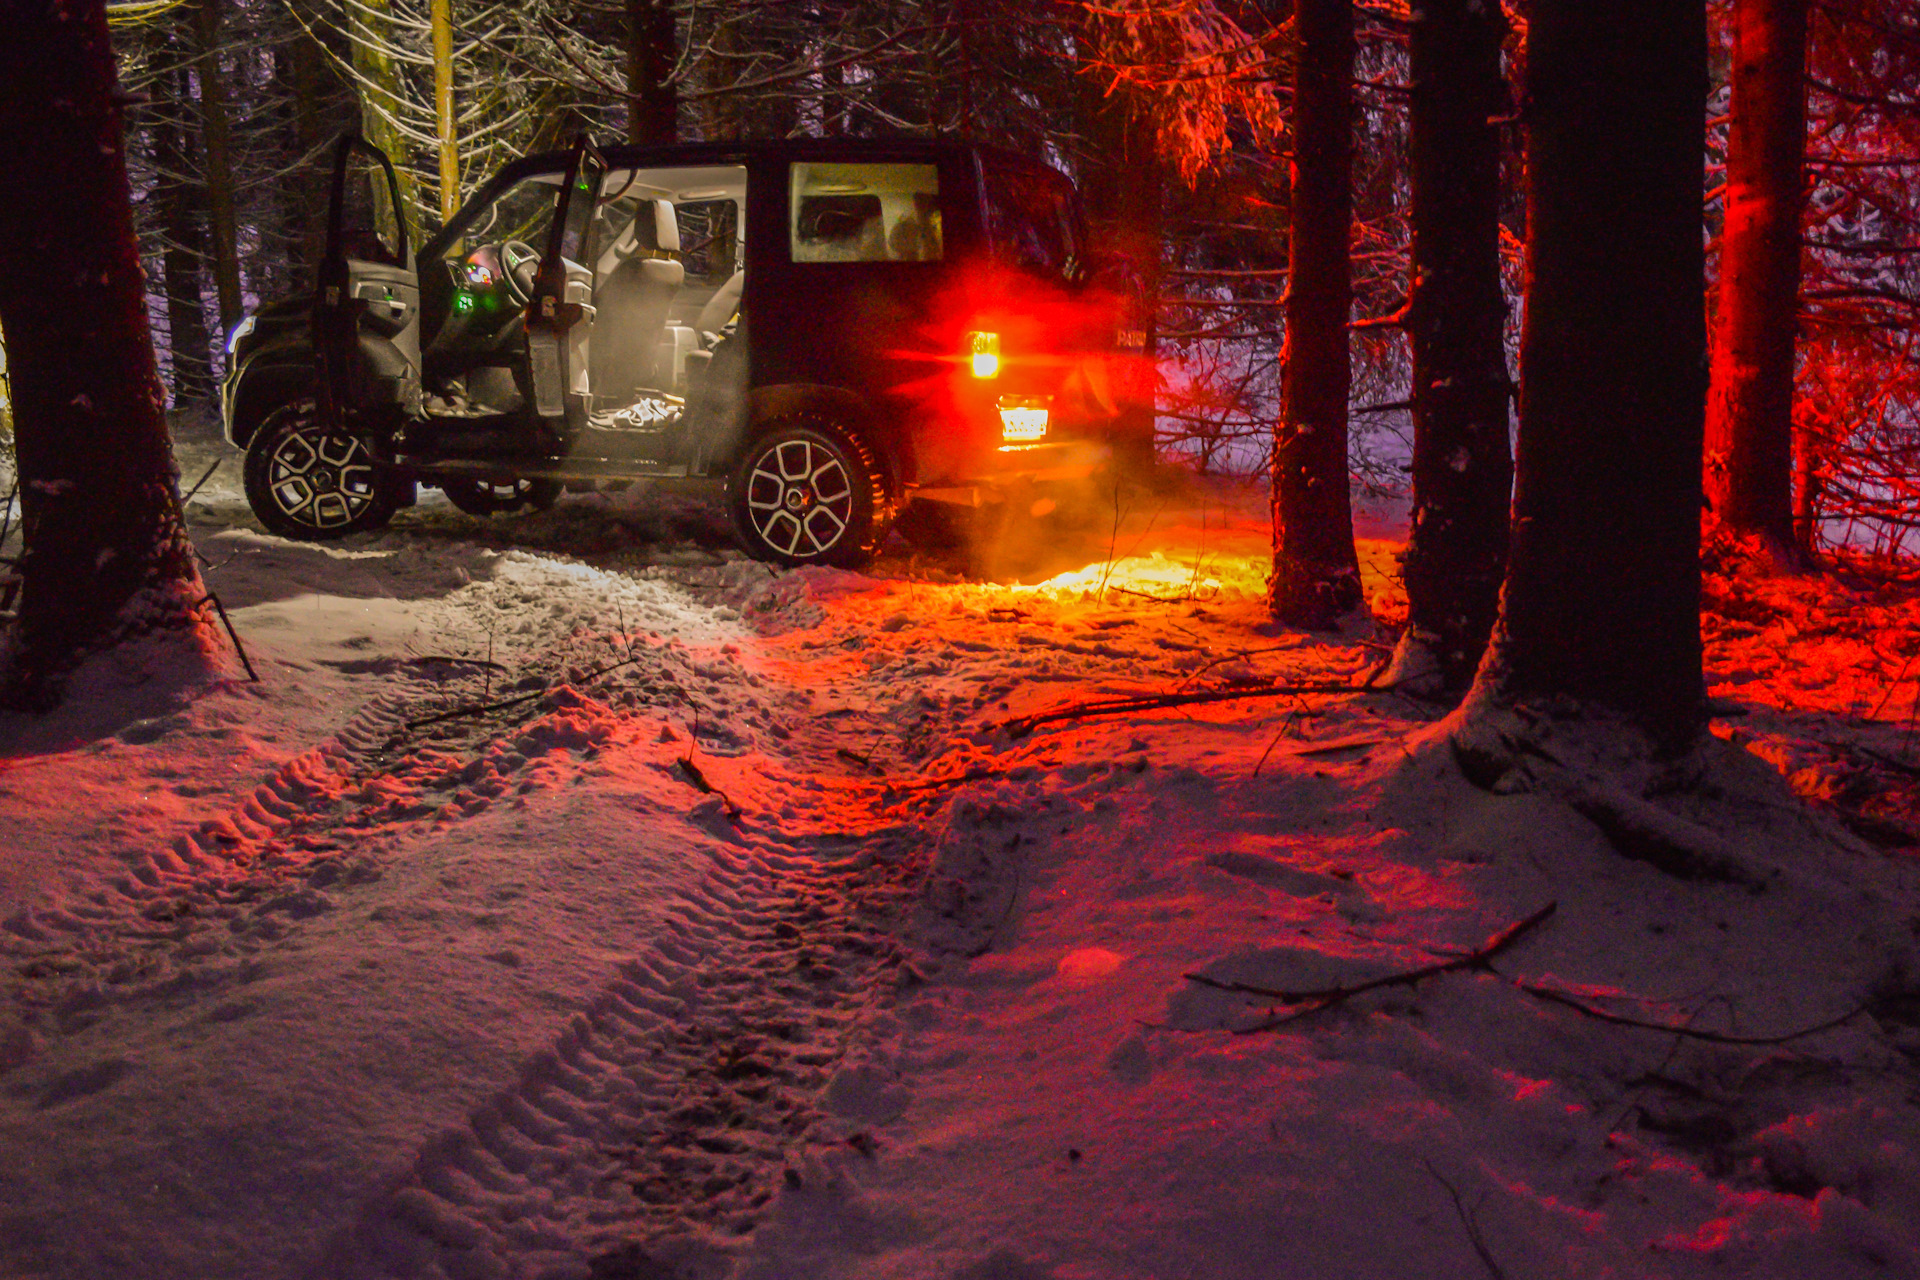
[522, 262]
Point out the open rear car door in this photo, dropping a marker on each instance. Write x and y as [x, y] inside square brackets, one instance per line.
[366, 308]
[560, 313]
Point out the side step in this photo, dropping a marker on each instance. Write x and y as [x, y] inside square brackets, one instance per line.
[545, 469]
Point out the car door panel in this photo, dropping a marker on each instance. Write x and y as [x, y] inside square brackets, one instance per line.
[366, 308]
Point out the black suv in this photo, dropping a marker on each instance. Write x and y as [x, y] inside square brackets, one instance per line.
[838, 328]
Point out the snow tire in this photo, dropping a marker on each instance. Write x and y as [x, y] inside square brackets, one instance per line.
[311, 483]
[810, 491]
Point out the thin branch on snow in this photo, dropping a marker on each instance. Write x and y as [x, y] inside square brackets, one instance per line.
[1566, 999]
[480, 708]
[1024, 725]
[1318, 999]
[1471, 1222]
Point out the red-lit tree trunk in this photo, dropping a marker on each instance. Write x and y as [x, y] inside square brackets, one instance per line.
[1462, 465]
[1749, 472]
[1602, 596]
[653, 105]
[1316, 575]
[104, 551]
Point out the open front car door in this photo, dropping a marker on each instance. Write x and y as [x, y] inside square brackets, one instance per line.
[366, 308]
[560, 313]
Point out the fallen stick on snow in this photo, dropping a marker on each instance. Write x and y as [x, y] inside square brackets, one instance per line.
[426, 658]
[703, 786]
[1471, 1221]
[952, 780]
[1024, 725]
[1566, 999]
[232, 635]
[1327, 997]
[205, 476]
[1318, 999]
[480, 708]
[1342, 744]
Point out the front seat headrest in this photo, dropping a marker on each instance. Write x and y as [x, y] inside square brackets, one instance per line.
[666, 227]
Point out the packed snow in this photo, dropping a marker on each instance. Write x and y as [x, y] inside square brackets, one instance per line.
[573, 897]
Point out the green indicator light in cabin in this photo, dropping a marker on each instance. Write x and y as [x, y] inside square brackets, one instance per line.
[462, 302]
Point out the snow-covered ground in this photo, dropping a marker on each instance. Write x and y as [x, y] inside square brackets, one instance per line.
[571, 897]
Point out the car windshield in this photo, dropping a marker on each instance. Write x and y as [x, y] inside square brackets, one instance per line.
[524, 212]
[1033, 219]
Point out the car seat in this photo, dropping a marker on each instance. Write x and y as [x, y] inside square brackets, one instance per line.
[720, 309]
[637, 287]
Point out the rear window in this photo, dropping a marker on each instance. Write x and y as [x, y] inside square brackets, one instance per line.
[1033, 220]
[866, 213]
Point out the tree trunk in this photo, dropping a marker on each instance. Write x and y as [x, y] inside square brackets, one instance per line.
[835, 112]
[1462, 465]
[180, 259]
[1750, 400]
[104, 552]
[440, 19]
[726, 112]
[308, 63]
[1602, 597]
[653, 105]
[1316, 575]
[374, 63]
[218, 136]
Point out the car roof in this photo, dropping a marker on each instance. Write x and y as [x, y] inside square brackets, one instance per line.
[688, 154]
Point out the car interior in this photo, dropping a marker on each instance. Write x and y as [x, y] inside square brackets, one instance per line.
[668, 273]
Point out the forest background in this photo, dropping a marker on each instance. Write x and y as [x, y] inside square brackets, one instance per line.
[1172, 117]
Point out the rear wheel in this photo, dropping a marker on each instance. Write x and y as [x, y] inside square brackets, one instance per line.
[497, 497]
[809, 491]
[309, 481]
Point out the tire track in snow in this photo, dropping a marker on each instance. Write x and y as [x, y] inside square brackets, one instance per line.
[678, 1093]
[712, 1067]
[190, 915]
[139, 932]
[675, 1102]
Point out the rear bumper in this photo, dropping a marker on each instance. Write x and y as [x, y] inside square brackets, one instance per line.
[1018, 464]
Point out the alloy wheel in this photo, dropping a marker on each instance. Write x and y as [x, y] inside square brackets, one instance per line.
[322, 479]
[800, 498]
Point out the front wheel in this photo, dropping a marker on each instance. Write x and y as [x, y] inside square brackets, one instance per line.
[308, 481]
[809, 492]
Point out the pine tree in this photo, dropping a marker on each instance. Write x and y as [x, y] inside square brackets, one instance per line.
[653, 102]
[1602, 595]
[105, 553]
[1316, 573]
[1750, 398]
[1462, 465]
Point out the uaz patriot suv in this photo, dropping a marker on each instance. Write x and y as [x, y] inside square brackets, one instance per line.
[837, 328]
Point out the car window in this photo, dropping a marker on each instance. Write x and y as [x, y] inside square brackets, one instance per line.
[524, 212]
[865, 213]
[709, 239]
[1033, 220]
